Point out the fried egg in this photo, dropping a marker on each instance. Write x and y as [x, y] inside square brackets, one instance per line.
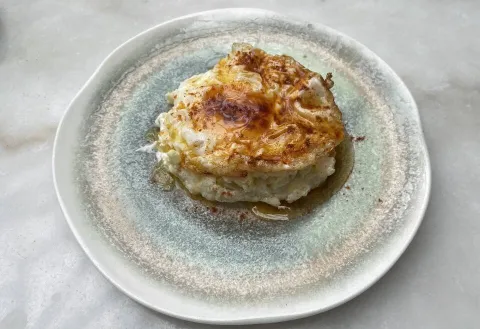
[256, 127]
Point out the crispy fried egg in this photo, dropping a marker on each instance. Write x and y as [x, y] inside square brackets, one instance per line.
[256, 127]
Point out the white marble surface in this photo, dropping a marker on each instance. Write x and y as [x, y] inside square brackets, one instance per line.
[49, 48]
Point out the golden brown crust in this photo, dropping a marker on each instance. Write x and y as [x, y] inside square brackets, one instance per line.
[287, 123]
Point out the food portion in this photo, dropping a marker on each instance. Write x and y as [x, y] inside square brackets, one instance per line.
[256, 127]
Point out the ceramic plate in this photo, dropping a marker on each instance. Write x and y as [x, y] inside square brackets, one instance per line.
[220, 264]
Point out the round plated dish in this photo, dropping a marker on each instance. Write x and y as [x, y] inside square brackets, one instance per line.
[220, 263]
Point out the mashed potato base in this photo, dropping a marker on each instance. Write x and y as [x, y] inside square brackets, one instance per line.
[270, 187]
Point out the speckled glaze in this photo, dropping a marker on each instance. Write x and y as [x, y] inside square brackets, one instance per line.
[176, 255]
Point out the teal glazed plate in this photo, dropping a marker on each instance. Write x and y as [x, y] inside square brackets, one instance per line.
[221, 263]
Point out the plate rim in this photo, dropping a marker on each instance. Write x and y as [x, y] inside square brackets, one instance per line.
[422, 207]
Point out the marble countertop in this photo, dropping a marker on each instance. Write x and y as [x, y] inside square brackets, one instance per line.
[49, 48]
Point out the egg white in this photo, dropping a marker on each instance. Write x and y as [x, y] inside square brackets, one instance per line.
[178, 140]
